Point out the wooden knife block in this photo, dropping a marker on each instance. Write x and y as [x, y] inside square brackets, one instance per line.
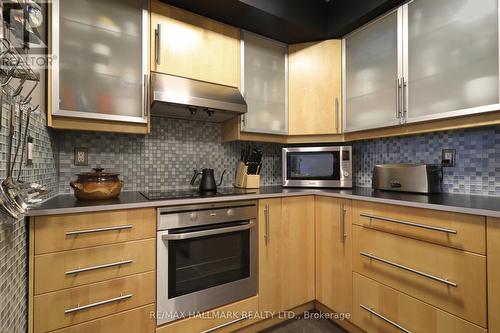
[244, 180]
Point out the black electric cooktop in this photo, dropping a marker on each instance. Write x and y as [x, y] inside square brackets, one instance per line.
[193, 194]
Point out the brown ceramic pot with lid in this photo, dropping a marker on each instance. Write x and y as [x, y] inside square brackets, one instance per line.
[97, 185]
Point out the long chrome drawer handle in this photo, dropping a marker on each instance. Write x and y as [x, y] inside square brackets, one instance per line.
[429, 276]
[412, 224]
[90, 231]
[88, 306]
[213, 329]
[93, 268]
[387, 320]
[203, 233]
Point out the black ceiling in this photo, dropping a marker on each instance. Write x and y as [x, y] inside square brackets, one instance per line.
[291, 21]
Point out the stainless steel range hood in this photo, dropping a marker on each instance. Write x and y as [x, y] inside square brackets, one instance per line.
[178, 97]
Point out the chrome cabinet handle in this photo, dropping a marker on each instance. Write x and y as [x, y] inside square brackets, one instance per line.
[146, 95]
[387, 320]
[90, 231]
[412, 224]
[266, 234]
[337, 114]
[93, 268]
[405, 101]
[408, 269]
[398, 98]
[196, 234]
[342, 223]
[213, 329]
[158, 44]
[243, 122]
[93, 305]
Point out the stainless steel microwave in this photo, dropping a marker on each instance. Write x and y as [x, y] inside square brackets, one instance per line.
[317, 167]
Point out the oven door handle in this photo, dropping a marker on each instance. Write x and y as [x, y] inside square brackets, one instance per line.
[196, 234]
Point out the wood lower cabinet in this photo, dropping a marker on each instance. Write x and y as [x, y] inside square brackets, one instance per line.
[93, 272]
[270, 255]
[351, 257]
[75, 231]
[188, 45]
[333, 253]
[460, 231]
[83, 266]
[286, 253]
[228, 318]
[381, 309]
[493, 241]
[315, 88]
[137, 321]
[76, 305]
[449, 279]
[297, 250]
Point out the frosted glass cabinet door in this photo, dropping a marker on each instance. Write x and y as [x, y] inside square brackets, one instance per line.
[100, 69]
[452, 57]
[265, 84]
[371, 73]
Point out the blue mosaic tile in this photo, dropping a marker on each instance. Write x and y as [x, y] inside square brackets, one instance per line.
[477, 170]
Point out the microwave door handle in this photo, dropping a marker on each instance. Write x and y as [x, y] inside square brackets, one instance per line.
[196, 234]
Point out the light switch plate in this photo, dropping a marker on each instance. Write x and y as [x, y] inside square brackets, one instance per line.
[448, 158]
[29, 150]
[81, 156]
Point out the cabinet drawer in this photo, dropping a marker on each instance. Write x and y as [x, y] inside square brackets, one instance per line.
[218, 320]
[460, 231]
[68, 269]
[75, 231]
[380, 309]
[452, 280]
[138, 321]
[73, 306]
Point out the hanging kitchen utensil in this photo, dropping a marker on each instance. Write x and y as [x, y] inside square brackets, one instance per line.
[19, 139]
[16, 195]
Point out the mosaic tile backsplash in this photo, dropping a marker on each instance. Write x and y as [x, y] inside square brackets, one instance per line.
[164, 159]
[13, 235]
[477, 169]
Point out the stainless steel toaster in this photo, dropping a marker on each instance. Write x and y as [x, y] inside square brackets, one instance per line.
[417, 178]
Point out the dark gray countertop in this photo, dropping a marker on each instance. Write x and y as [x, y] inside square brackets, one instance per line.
[461, 203]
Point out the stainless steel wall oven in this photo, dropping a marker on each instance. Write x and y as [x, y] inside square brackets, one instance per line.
[206, 257]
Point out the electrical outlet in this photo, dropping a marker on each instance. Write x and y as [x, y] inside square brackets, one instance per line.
[448, 158]
[81, 156]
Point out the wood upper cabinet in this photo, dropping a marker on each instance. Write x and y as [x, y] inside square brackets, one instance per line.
[493, 258]
[193, 46]
[315, 88]
[286, 253]
[297, 251]
[333, 253]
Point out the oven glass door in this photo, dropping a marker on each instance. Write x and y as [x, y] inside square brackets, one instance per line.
[323, 165]
[198, 263]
